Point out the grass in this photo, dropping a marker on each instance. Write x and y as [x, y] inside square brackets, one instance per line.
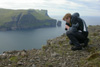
[6, 15]
[93, 56]
[92, 60]
[14, 59]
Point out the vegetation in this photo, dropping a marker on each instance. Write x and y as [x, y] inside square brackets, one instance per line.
[24, 19]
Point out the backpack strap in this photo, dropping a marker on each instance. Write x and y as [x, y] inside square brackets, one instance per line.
[85, 26]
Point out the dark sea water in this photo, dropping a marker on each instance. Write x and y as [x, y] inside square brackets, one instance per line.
[28, 39]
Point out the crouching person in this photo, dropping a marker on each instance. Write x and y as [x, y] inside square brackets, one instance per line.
[77, 30]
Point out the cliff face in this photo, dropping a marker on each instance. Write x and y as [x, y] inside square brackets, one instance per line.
[57, 53]
[25, 19]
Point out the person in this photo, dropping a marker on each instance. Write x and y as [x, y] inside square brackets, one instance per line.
[77, 34]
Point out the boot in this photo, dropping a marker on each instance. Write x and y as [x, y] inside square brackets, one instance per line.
[76, 48]
[70, 42]
[86, 42]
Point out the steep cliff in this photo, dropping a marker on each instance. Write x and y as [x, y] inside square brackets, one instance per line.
[25, 19]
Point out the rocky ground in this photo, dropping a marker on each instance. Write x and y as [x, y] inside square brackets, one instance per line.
[57, 53]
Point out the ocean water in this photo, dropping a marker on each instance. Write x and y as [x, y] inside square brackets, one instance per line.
[28, 39]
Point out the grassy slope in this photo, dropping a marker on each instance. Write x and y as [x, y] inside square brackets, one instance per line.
[7, 14]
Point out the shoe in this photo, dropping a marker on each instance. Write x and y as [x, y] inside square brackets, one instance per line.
[70, 42]
[86, 42]
[76, 48]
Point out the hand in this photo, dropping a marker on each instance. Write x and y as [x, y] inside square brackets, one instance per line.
[67, 27]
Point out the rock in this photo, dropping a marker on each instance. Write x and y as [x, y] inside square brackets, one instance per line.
[10, 52]
[19, 53]
[3, 56]
[59, 58]
[64, 64]
[45, 58]
[23, 53]
[54, 54]
[31, 60]
[49, 42]
[37, 59]
[33, 65]
[59, 23]
[9, 64]
[19, 63]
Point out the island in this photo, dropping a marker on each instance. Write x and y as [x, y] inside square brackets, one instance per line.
[22, 19]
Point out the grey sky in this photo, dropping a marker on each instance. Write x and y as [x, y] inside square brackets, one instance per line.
[56, 7]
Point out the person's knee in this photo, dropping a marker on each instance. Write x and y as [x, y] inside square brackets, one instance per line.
[69, 33]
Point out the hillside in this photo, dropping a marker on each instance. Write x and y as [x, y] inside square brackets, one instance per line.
[24, 19]
[57, 53]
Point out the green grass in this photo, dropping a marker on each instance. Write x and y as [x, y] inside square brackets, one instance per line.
[7, 14]
[14, 59]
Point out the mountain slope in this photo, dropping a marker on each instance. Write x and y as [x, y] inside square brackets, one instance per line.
[24, 19]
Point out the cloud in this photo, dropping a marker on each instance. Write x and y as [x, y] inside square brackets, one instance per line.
[56, 7]
[90, 0]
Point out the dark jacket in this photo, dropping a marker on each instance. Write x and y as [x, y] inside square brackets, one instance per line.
[75, 19]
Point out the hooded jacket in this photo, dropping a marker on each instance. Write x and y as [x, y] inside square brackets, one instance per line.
[82, 27]
[75, 18]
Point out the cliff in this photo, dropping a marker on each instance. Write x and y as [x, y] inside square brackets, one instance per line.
[25, 19]
[57, 53]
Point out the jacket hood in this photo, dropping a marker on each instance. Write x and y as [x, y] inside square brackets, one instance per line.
[76, 15]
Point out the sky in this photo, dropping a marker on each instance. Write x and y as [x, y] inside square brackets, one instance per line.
[56, 7]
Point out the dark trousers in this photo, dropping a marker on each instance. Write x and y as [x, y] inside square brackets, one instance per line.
[76, 37]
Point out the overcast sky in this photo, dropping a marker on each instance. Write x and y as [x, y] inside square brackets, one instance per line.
[56, 7]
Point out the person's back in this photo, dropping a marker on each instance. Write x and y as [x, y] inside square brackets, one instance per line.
[75, 18]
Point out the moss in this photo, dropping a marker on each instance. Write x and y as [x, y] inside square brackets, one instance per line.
[60, 43]
[2, 66]
[48, 64]
[44, 47]
[91, 49]
[93, 56]
[61, 51]
[67, 38]
[93, 63]
[54, 46]
[41, 53]
[90, 42]
[92, 60]
[14, 65]
[95, 34]
[14, 59]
